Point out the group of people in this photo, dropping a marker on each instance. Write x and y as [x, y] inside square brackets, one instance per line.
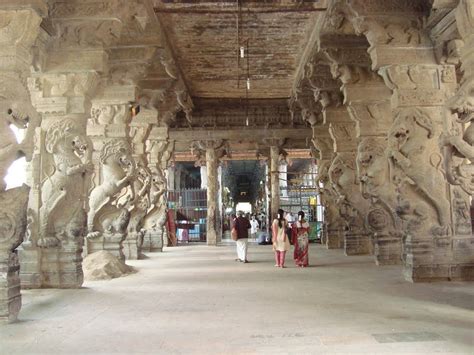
[280, 239]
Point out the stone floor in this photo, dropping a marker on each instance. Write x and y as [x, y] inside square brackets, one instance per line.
[197, 299]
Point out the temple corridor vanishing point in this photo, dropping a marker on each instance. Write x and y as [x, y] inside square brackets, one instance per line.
[113, 95]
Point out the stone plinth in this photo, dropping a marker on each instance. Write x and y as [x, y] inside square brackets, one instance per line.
[132, 246]
[112, 243]
[10, 297]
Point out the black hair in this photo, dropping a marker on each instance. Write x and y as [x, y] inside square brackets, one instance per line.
[280, 220]
[301, 213]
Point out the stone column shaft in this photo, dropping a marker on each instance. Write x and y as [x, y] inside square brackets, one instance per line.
[203, 177]
[343, 178]
[274, 180]
[212, 196]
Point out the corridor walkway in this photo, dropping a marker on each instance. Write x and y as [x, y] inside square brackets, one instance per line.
[197, 299]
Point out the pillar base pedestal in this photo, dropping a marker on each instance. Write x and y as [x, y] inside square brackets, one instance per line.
[10, 297]
[132, 246]
[153, 241]
[62, 267]
[30, 272]
[112, 243]
[357, 243]
[59, 267]
[387, 250]
[335, 239]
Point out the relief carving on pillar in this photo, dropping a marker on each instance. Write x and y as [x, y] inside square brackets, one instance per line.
[107, 216]
[376, 184]
[63, 193]
[139, 203]
[343, 179]
[19, 27]
[86, 33]
[155, 219]
[411, 139]
[328, 197]
[459, 146]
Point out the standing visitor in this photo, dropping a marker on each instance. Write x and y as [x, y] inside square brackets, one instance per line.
[301, 240]
[280, 240]
[242, 226]
[254, 226]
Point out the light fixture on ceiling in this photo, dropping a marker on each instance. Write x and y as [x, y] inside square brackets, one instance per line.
[248, 83]
[242, 52]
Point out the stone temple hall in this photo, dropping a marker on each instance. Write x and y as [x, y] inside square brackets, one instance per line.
[137, 136]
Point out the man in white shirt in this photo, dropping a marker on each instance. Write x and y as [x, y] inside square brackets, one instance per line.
[254, 226]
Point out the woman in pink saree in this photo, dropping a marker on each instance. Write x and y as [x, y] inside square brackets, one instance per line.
[300, 236]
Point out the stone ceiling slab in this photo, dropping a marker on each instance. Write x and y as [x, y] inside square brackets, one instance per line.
[206, 37]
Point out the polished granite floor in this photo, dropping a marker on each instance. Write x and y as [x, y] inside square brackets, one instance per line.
[198, 300]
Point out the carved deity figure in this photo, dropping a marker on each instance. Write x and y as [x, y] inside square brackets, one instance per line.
[376, 185]
[139, 203]
[328, 196]
[460, 148]
[155, 218]
[62, 213]
[106, 215]
[342, 175]
[412, 149]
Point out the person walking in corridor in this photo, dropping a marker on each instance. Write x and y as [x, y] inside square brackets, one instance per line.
[280, 241]
[300, 233]
[242, 225]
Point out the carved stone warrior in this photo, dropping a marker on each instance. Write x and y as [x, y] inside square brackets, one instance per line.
[62, 214]
[352, 205]
[376, 184]
[460, 157]
[107, 218]
[333, 223]
[154, 221]
[411, 134]
[138, 207]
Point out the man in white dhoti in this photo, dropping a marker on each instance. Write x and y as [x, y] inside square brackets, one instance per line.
[242, 225]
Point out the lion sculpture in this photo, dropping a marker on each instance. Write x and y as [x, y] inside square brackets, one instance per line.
[63, 193]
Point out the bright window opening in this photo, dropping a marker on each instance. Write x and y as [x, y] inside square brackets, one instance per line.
[244, 206]
[16, 175]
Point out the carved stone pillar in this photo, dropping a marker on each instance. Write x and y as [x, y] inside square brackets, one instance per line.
[276, 153]
[64, 78]
[343, 177]
[274, 179]
[213, 150]
[459, 148]
[159, 150]
[368, 101]
[115, 169]
[420, 89]
[203, 177]
[18, 32]
[333, 225]
[139, 206]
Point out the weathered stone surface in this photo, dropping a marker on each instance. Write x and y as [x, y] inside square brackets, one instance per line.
[103, 265]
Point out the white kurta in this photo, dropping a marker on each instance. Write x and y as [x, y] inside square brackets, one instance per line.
[282, 243]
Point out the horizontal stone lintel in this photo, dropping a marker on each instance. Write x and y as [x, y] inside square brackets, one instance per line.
[243, 134]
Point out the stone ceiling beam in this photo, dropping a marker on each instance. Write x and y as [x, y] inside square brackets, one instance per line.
[241, 135]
